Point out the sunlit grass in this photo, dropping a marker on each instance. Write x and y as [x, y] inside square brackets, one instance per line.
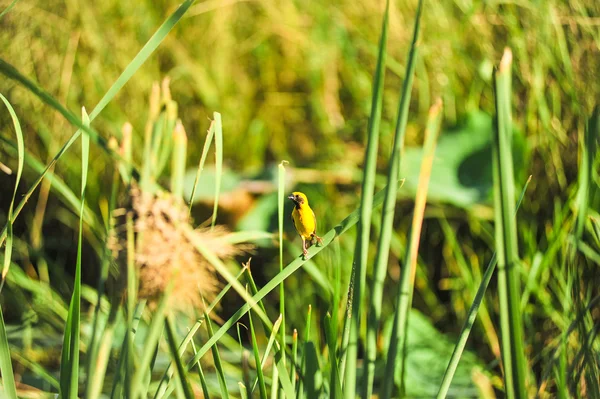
[121, 345]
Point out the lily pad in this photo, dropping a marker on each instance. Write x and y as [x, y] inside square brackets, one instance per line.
[462, 167]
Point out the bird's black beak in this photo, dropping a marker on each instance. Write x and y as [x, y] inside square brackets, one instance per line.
[291, 196]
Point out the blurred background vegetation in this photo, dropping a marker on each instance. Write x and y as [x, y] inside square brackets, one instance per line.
[293, 81]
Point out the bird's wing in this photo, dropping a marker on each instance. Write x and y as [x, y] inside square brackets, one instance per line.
[315, 219]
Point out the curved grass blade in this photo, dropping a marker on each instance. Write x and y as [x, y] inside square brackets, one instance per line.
[366, 207]
[387, 215]
[471, 316]
[397, 346]
[9, 223]
[141, 57]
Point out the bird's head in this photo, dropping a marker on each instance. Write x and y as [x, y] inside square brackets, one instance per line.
[298, 198]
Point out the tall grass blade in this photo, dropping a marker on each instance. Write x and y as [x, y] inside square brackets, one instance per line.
[178, 159]
[472, 315]
[201, 375]
[218, 164]
[8, 378]
[217, 360]
[280, 208]
[299, 391]
[592, 134]
[181, 371]
[259, 373]
[209, 136]
[397, 346]
[69, 367]
[387, 215]
[366, 206]
[513, 355]
[335, 387]
[154, 332]
[135, 64]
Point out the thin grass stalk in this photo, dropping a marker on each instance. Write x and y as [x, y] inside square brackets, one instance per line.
[299, 388]
[217, 360]
[8, 378]
[178, 160]
[69, 369]
[346, 331]
[145, 52]
[92, 388]
[259, 373]
[387, 215]
[294, 358]
[280, 209]
[397, 346]
[209, 136]
[201, 374]
[366, 207]
[181, 372]
[472, 315]
[335, 387]
[513, 355]
[154, 333]
[218, 164]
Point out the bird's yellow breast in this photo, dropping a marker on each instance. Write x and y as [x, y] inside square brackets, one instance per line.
[304, 221]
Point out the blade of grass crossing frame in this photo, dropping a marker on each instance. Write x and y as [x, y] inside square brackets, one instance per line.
[472, 315]
[366, 206]
[280, 208]
[217, 360]
[387, 215]
[207, 142]
[513, 355]
[7, 9]
[397, 345]
[141, 57]
[69, 368]
[9, 223]
[181, 372]
[218, 164]
[292, 267]
[259, 373]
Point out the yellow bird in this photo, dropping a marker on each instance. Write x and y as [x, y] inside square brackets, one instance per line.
[304, 219]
